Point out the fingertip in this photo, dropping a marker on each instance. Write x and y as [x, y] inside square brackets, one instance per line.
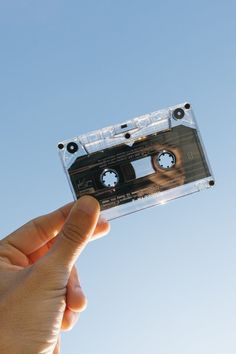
[75, 297]
[87, 204]
[102, 229]
[82, 301]
[69, 320]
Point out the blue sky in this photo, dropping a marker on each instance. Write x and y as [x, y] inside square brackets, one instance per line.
[163, 281]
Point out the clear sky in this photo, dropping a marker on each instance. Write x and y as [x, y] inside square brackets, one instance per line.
[163, 281]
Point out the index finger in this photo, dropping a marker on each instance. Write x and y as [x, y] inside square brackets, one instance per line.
[37, 232]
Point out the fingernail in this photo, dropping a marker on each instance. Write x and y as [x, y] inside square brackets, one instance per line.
[102, 221]
[83, 298]
[88, 204]
[75, 317]
[78, 289]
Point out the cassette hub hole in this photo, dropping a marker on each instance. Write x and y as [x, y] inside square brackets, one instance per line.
[109, 178]
[166, 160]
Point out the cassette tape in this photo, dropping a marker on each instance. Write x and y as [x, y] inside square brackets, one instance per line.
[145, 161]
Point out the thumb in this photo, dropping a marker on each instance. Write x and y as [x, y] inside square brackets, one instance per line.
[76, 232]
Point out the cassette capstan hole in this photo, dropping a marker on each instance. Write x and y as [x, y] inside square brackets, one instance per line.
[72, 147]
[166, 159]
[109, 177]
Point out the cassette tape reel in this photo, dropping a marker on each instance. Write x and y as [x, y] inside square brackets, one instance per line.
[143, 162]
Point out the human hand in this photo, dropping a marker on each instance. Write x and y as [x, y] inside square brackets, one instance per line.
[40, 293]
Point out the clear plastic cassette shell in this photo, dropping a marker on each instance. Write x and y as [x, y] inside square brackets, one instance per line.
[145, 161]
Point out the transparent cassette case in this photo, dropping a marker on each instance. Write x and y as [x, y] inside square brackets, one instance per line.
[145, 161]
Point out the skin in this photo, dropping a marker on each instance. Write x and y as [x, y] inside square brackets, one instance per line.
[40, 292]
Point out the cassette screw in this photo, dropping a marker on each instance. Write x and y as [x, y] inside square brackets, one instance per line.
[72, 147]
[178, 113]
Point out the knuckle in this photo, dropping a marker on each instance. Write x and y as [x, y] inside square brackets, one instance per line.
[39, 270]
[74, 234]
[45, 275]
[39, 266]
[44, 269]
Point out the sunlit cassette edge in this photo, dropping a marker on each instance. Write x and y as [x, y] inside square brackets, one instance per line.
[129, 133]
